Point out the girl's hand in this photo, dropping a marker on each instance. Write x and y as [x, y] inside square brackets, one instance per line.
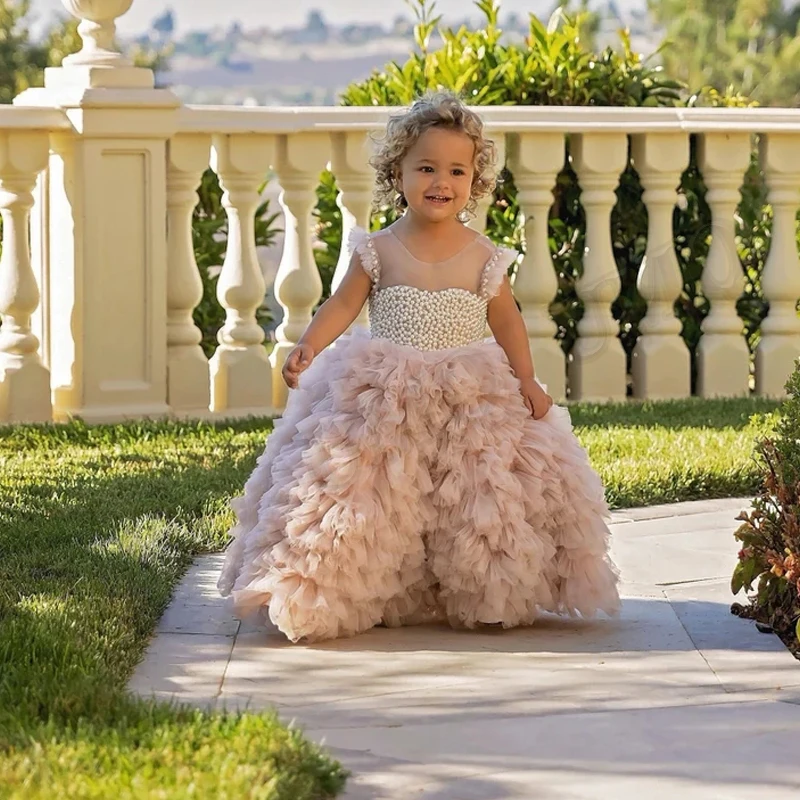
[297, 362]
[536, 399]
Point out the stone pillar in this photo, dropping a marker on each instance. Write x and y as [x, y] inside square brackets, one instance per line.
[661, 362]
[723, 357]
[535, 160]
[350, 163]
[478, 223]
[241, 376]
[597, 370]
[107, 192]
[298, 287]
[780, 331]
[187, 367]
[24, 380]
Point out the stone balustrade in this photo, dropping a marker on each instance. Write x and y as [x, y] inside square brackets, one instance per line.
[98, 171]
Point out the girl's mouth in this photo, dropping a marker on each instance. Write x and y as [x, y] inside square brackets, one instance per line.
[438, 199]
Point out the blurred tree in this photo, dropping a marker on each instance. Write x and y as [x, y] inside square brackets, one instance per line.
[751, 46]
[165, 24]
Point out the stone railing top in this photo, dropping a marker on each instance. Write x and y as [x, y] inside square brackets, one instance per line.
[557, 119]
[506, 119]
[33, 118]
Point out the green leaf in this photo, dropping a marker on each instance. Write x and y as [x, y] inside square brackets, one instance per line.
[744, 574]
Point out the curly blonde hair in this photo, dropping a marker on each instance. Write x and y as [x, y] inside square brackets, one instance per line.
[432, 110]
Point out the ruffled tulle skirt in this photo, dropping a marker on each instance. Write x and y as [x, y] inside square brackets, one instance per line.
[402, 486]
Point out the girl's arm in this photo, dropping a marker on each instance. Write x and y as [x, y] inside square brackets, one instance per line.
[510, 333]
[340, 310]
[332, 319]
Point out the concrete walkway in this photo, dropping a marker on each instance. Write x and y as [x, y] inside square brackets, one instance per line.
[675, 699]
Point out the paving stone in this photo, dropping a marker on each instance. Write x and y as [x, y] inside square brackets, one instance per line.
[687, 509]
[672, 557]
[741, 750]
[189, 667]
[742, 658]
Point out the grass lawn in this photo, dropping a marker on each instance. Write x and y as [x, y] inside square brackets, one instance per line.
[97, 525]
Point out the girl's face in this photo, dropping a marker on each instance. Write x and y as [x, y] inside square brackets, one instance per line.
[436, 174]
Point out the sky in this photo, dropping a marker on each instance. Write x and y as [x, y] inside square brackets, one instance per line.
[200, 14]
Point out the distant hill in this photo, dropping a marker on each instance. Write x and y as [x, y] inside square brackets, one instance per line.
[313, 63]
[276, 81]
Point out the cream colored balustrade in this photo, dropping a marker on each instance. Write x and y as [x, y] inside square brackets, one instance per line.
[780, 331]
[535, 160]
[478, 222]
[597, 370]
[300, 159]
[188, 388]
[355, 177]
[661, 362]
[24, 380]
[723, 357]
[107, 193]
[241, 375]
[118, 292]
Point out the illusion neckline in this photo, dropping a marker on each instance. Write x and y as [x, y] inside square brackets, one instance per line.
[434, 263]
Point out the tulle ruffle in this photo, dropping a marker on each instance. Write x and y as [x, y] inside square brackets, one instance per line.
[402, 486]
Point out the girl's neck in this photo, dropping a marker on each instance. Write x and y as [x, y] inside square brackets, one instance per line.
[414, 225]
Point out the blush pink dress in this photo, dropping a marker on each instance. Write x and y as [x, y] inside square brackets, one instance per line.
[407, 482]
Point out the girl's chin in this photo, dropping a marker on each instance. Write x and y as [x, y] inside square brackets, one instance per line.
[435, 210]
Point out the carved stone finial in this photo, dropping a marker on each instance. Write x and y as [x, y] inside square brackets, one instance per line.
[97, 29]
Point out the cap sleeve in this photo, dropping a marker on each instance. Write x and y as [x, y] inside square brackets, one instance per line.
[361, 242]
[495, 270]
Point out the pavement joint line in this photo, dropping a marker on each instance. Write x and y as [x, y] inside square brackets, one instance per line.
[235, 638]
[696, 580]
[697, 649]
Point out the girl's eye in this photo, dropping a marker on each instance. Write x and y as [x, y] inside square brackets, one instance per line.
[426, 169]
[458, 172]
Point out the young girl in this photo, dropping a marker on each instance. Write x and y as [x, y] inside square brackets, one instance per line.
[419, 472]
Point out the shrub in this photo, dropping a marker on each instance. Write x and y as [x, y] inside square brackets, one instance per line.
[770, 531]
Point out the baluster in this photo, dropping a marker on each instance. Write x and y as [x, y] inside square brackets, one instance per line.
[723, 357]
[535, 159]
[350, 162]
[661, 362]
[298, 287]
[188, 387]
[780, 331]
[241, 376]
[597, 370]
[478, 222]
[40, 261]
[24, 380]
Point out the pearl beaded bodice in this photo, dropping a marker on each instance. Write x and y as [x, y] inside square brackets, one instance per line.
[427, 320]
[431, 306]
